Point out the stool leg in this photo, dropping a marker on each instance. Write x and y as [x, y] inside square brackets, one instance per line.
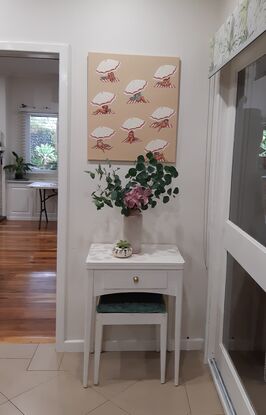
[163, 343]
[97, 349]
[157, 337]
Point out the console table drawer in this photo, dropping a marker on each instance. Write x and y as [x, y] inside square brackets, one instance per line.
[132, 279]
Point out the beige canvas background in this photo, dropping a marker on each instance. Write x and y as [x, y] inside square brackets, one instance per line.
[132, 67]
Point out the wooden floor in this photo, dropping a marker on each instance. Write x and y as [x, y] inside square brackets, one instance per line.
[27, 282]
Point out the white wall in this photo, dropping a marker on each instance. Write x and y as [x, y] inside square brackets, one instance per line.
[153, 27]
[226, 8]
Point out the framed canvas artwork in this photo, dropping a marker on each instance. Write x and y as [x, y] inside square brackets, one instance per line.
[132, 106]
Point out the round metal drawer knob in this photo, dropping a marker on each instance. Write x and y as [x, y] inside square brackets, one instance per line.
[136, 280]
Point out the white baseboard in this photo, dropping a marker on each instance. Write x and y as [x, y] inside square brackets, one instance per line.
[51, 217]
[130, 345]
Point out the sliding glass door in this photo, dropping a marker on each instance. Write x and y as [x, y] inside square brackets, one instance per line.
[240, 232]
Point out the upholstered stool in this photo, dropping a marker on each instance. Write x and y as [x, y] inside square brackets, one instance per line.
[133, 309]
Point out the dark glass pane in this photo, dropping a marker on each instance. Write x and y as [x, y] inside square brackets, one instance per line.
[248, 191]
[244, 334]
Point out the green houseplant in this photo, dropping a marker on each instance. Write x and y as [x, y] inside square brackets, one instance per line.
[145, 183]
[143, 186]
[20, 167]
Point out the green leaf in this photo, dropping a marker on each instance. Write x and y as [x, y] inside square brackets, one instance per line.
[173, 171]
[153, 161]
[150, 169]
[168, 179]
[153, 203]
[132, 172]
[140, 166]
[114, 195]
[176, 190]
[166, 199]
[140, 159]
[149, 155]
[169, 191]
[108, 202]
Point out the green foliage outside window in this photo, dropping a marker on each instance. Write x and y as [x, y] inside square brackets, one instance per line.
[263, 144]
[43, 141]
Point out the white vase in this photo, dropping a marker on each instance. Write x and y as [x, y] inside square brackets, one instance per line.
[132, 231]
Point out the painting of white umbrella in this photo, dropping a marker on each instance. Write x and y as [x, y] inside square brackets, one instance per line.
[100, 134]
[157, 147]
[130, 125]
[103, 100]
[135, 89]
[161, 116]
[106, 69]
[163, 75]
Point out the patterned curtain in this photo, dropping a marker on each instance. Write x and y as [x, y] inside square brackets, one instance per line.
[243, 26]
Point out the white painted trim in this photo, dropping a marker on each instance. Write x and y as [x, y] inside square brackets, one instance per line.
[234, 385]
[63, 50]
[132, 345]
[218, 382]
[223, 235]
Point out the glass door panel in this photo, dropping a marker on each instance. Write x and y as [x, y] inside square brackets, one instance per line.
[238, 231]
[244, 331]
[248, 187]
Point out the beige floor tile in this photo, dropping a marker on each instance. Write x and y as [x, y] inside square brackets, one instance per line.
[15, 379]
[9, 409]
[107, 408]
[2, 398]
[46, 358]
[63, 395]
[202, 396]
[112, 381]
[192, 366]
[196, 376]
[149, 397]
[17, 351]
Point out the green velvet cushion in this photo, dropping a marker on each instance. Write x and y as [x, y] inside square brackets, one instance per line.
[131, 303]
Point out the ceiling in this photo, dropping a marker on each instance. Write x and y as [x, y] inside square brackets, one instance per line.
[28, 65]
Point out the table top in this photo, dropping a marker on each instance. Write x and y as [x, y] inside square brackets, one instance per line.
[44, 185]
[160, 256]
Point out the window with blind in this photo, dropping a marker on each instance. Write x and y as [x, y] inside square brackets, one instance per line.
[40, 140]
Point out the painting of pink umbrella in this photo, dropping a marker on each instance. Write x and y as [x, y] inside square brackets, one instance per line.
[163, 75]
[161, 116]
[100, 134]
[157, 147]
[135, 89]
[106, 69]
[103, 100]
[130, 125]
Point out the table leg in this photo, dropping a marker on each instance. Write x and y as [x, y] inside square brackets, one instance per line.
[87, 326]
[178, 313]
[40, 218]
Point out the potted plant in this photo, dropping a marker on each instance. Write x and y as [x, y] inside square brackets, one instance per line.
[122, 249]
[19, 167]
[145, 184]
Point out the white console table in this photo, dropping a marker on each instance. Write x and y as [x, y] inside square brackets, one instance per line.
[159, 269]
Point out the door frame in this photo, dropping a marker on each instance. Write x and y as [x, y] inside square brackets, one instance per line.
[220, 230]
[63, 51]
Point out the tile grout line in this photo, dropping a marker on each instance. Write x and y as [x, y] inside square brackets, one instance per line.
[188, 401]
[16, 407]
[97, 407]
[33, 356]
[34, 387]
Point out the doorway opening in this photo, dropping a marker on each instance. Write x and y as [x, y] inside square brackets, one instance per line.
[30, 128]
